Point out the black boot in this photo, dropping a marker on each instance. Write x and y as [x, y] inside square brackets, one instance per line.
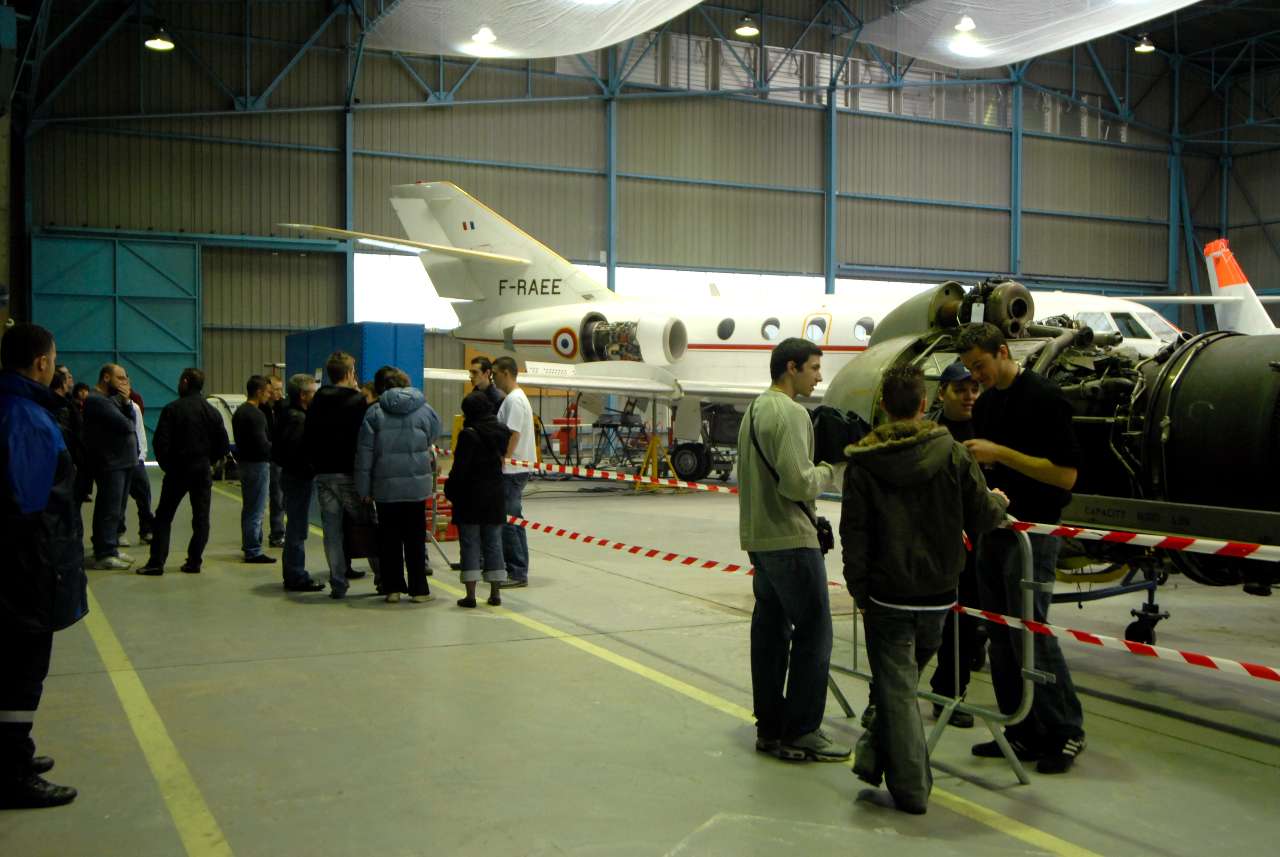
[34, 792]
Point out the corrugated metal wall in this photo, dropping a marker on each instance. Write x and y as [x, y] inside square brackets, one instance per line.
[1260, 174]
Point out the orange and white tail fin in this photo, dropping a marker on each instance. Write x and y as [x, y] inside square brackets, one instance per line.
[1244, 313]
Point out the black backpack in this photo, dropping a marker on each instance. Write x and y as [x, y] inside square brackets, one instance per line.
[833, 430]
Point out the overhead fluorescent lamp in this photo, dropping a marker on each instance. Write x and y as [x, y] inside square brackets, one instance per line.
[1144, 45]
[746, 27]
[160, 41]
[484, 44]
[965, 45]
[966, 25]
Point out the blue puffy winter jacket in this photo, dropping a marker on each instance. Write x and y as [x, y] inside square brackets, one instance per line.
[393, 451]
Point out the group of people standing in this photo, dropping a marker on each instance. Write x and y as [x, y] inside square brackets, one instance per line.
[915, 495]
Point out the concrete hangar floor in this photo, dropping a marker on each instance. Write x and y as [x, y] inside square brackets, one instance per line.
[605, 710]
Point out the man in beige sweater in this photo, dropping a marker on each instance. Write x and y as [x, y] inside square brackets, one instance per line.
[777, 523]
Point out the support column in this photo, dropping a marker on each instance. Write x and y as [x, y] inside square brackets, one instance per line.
[611, 174]
[1175, 172]
[348, 209]
[1224, 165]
[832, 186]
[1015, 180]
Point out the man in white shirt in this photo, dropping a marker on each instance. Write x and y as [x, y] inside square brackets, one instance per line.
[517, 415]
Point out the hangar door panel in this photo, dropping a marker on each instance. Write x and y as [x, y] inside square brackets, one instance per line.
[136, 303]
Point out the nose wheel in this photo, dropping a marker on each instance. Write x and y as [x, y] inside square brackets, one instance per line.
[1143, 628]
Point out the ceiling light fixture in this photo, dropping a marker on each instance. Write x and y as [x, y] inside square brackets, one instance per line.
[160, 41]
[1144, 45]
[747, 27]
[966, 25]
[484, 36]
[965, 45]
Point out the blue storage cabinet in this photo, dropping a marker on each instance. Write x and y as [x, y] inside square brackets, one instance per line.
[373, 344]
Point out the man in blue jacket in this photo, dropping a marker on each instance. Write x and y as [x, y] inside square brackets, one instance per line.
[42, 583]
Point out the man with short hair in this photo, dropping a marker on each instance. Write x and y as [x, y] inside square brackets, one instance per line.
[481, 371]
[777, 526]
[139, 482]
[111, 442]
[288, 452]
[911, 492]
[516, 414]
[42, 586]
[271, 408]
[253, 458]
[332, 427]
[1024, 437]
[190, 438]
[71, 422]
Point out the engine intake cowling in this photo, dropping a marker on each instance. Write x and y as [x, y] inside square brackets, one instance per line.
[648, 340]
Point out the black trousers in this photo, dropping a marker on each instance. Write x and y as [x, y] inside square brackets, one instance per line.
[22, 672]
[402, 542]
[944, 681]
[198, 485]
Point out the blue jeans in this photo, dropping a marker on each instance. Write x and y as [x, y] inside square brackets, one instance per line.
[899, 644]
[297, 508]
[254, 480]
[1056, 715]
[790, 634]
[515, 544]
[275, 505]
[113, 491]
[481, 548]
[336, 494]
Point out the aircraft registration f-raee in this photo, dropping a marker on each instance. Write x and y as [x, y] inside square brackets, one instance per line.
[514, 295]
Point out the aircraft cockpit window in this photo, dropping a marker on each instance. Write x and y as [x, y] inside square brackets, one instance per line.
[770, 329]
[864, 328]
[815, 330]
[725, 329]
[1129, 326]
[1098, 322]
[1159, 325]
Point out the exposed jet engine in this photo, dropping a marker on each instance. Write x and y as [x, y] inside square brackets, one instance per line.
[1196, 425]
[592, 337]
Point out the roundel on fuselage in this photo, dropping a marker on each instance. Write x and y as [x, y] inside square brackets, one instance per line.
[565, 343]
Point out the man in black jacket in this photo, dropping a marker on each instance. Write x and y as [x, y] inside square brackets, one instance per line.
[290, 456]
[272, 407]
[911, 492]
[333, 424]
[42, 585]
[71, 421]
[189, 439]
[253, 458]
[111, 442]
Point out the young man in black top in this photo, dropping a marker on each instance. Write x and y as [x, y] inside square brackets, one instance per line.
[1022, 424]
[253, 458]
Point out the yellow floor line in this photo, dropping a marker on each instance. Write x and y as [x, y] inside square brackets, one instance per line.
[201, 836]
[961, 806]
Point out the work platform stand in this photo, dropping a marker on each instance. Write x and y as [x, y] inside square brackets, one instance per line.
[994, 719]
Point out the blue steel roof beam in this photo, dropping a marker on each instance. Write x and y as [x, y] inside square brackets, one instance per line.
[46, 105]
[627, 72]
[888, 70]
[838, 70]
[617, 68]
[1137, 102]
[190, 52]
[453, 90]
[1163, 132]
[384, 9]
[417, 78]
[1216, 80]
[1231, 44]
[1248, 199]
[807, 27]
[589, 70]
[34, 44]
[715, 28]
[260, 101]
[72, 26]
[355, 72]
[1121, 108]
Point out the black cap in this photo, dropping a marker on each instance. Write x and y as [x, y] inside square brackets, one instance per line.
[955, 372]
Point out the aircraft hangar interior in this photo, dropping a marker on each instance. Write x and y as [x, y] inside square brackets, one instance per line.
[496, 428]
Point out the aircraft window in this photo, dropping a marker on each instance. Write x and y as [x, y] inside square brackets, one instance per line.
[725, 329]
[1159, 325]
[1099, 322]
[816, 330]
[770, 329]
[864, 328]
[1129, 326]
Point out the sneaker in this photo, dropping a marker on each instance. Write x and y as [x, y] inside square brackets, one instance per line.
[121, 555]
[466, 602]
[123, 542]
[393, 597]
[959, 719]
[1059, 761]
[768, 746]
[111, 563]
[495, 601]
[145, 538]
[513, 583]
[422, 599]
[814, 747]
[34, 792]
[260, 559]
[991, 750]
[304, 586]
[191, 567]
[150, 570]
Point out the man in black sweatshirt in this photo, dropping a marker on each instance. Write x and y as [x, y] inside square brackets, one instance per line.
[111, 443]
[272, 406]
[289, 454]
[189, 439]
[253, 458]
[333, 424]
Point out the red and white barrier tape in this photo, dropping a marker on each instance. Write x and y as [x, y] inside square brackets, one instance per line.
[1085, 638]
[1216, 547]
[613, 475]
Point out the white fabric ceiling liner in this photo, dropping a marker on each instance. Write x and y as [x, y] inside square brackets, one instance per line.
[1005, 31]
[521, 29]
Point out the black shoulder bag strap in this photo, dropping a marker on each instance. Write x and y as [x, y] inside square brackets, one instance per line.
[756, 442]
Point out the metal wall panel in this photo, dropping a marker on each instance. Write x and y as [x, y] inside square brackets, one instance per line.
[897, 234]
[723, 139]
[565, 212]
[910, 159]
[1094, 249]
[252, 298]
[1064, 176]
[711, 227]
[440, 350]
[1203, 175]
[1257, 256]
[1260, 175]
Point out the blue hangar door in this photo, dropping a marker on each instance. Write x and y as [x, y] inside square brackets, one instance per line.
[136, 303]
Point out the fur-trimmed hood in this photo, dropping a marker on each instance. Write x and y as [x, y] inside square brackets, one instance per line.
[903, 452]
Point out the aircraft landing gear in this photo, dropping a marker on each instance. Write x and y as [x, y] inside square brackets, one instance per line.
[1143, 628]
[692, 461]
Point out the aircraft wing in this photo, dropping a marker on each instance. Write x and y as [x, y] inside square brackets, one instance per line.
[647, 384]
[421, 246]
[1197, 299]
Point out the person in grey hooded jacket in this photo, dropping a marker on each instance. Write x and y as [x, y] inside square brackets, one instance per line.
[911, 494]
[394, 469]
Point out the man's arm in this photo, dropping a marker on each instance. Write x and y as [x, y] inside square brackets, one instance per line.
[984, 510]
[1039, 469]
[798, 477]
[364, 459]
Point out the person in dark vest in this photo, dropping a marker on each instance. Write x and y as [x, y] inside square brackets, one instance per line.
[475, 489]
[253, 457]
[42, 580]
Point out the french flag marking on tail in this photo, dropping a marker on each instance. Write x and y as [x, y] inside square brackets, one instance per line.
[468, 226]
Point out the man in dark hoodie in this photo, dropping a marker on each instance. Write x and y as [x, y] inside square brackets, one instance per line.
[190, 438]
[272, 407]
[902, 574]
[296, 477]
[111, 442]
[253, 458]
[333, 424]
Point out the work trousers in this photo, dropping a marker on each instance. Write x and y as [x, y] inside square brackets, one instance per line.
[275, 504]
[22, 673]
[255, 480]
[947, 680]
[402, 545]
[113, 492]
[515, 543]
[140, 491]
[336, 494]
[480, 547]
[297, 505]
[197, 486]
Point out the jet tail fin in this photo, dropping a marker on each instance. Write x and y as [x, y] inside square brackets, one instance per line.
[1246, 313]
